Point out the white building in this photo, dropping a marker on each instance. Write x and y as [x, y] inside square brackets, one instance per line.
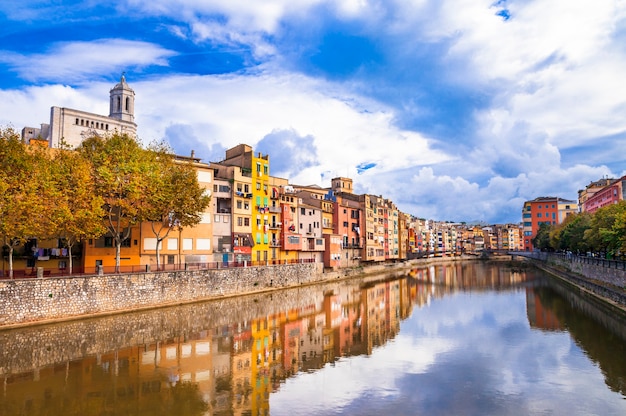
[74, 125]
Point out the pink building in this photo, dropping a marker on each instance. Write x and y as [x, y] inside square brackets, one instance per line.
[610, 194]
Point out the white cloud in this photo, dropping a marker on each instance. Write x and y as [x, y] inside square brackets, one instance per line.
[346, 130]
[79, 61]
[550, 74]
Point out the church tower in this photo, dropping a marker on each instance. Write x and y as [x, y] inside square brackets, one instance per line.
[122, 105]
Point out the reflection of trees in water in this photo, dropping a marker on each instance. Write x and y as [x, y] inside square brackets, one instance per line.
[182, 399]
[601, 345]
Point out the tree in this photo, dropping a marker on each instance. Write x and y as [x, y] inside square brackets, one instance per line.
[174, 196]
[78, 208]
[542, 238]
[26, 192]
[604, 233]
[121, 169]
[570, 234]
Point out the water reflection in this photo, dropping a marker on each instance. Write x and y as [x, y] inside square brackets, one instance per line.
[230, 356]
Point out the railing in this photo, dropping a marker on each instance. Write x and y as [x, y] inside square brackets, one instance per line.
[30, 272]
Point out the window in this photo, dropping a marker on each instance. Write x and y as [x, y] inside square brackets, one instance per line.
[539, 215]
[239, 221]
[246, 222]
[239, 204]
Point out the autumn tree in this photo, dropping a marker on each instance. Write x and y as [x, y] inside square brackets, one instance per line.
[174, 197]
[121, 169]
[78, 209]
[27, 192]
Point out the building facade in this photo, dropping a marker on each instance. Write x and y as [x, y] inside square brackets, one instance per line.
[72, 126]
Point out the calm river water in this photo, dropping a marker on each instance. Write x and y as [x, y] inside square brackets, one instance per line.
[459, 339]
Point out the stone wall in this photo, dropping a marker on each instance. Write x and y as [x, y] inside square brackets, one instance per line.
[46, 299]
[605, 271]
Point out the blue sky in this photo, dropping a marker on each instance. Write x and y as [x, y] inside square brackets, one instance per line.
[455, 110]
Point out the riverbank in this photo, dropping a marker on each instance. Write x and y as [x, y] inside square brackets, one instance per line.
[606, 285]
[25, 302]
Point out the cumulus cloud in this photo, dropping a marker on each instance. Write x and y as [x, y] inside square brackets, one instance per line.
[79, 61]
[289, 152]
[455, 110]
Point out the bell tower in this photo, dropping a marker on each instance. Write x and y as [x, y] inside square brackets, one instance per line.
[122, 105]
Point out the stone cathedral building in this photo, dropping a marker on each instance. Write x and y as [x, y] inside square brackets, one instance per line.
[73, 125]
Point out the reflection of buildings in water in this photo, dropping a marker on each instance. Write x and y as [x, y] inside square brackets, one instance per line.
[465, 275]
[231, 368]
[539, 316]
[241, 369]
[381, 318]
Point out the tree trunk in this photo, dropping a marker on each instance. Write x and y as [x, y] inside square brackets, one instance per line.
[69, 260]
[158, 251]
[118, 253]
[10, 261]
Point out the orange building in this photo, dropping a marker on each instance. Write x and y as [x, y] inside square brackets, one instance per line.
[544, 210]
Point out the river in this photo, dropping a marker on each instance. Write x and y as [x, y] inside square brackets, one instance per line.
[460, 339]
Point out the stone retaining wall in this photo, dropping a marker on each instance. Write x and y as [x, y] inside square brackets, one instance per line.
[612, 276]
[26, 301]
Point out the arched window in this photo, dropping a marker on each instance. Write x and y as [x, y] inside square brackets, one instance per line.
[119, 104]
[127, 103]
